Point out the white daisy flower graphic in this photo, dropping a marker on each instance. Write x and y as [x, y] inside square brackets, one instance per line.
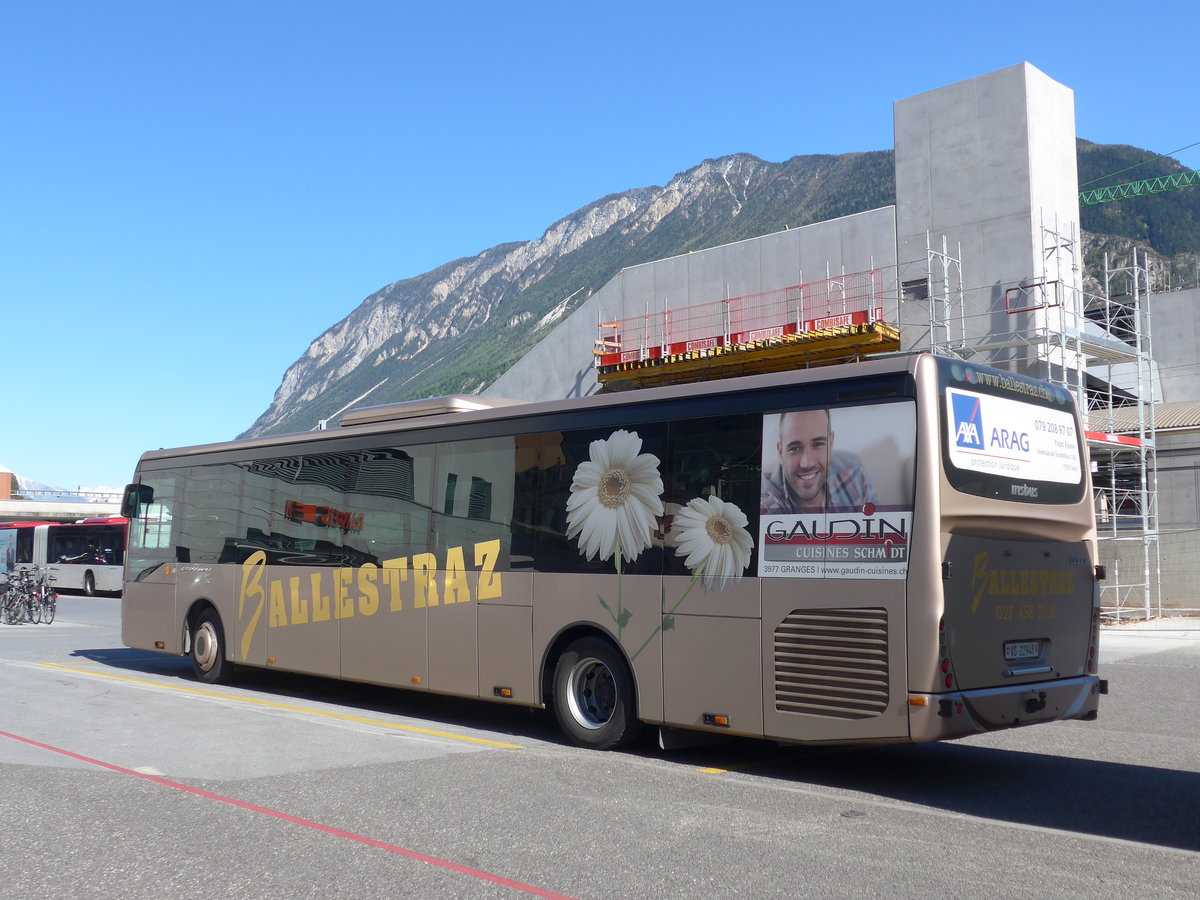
[615, 497]
[713, 535]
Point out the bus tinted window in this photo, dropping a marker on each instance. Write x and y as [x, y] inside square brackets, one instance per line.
[475, 484]
[342, 508]
[714, 457]
[150, 534]
[1009, 437]
[615, 509]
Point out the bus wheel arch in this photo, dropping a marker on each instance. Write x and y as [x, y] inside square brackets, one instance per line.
[205, 643]
[593, 690]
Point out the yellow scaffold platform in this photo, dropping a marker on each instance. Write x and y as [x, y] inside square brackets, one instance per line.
[808, 349]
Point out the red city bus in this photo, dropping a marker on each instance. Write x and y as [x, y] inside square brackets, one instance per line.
[86, 556]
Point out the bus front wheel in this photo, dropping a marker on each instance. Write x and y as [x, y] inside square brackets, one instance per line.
[594, 696]
[208, 648]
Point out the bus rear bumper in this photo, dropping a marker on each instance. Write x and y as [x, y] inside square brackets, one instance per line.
[935, 717]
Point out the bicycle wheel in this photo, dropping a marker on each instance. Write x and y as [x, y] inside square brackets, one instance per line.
[16, 608]
[49, 607]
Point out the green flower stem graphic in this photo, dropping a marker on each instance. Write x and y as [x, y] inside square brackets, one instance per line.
[666, 623]
[620, 615]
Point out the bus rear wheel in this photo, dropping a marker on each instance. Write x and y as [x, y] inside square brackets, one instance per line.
[594, 698]
[208, 648]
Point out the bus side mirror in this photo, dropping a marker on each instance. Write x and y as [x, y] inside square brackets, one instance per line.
[136, 496]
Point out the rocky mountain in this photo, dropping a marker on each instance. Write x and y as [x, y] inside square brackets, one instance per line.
[458, 327]
[455, 329]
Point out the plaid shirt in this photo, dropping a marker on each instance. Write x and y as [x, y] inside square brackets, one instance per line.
[848, 485]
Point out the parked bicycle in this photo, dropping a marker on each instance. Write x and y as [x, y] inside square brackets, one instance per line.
[29, 596]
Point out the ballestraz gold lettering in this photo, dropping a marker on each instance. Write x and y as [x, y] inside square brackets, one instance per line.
[418, 582]
[989, 582]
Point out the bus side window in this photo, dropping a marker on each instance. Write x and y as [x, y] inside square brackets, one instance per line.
[718, 457]
[571, 459]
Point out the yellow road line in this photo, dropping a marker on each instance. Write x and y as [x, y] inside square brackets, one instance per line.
[807, 753]
[713, 770]
[412, 729]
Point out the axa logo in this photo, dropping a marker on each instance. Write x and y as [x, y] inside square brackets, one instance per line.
[968, 421]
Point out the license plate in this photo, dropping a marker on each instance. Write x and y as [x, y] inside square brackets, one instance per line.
[1016, 651]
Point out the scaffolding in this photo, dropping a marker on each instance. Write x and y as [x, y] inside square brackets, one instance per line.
[1097, 348]
[836, 319]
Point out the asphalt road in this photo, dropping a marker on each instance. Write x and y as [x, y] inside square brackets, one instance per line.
[121, 776]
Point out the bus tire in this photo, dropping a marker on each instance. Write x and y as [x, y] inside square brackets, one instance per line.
[594, 698]
[208, 648]
[89, 584]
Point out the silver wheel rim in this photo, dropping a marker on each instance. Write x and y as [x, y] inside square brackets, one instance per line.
[205, 646]
[591, 693]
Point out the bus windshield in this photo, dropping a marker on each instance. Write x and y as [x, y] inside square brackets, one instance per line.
[1009, 437]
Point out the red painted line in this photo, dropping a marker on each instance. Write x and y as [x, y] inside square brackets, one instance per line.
[296, 820]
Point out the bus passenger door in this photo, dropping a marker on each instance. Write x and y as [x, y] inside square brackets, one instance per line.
[148, 614]
[299, 620]
[384, 641]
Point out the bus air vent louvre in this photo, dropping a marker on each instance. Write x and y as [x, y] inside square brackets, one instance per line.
[833, 663]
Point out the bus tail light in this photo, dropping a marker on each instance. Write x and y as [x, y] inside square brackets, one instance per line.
[944, 653]
[1093, 641]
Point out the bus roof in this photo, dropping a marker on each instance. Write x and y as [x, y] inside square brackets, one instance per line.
[489, 409]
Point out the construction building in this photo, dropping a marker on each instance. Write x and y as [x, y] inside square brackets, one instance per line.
[979, 258]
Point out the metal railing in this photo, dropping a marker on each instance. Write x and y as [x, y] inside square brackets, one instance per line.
[854, 298]
[61, 495]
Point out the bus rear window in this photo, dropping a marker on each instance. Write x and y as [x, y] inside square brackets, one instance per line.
[1010, 437]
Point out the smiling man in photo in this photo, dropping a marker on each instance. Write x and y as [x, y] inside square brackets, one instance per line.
[811, 477]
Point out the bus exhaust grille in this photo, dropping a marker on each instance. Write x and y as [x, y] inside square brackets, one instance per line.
[832, 662]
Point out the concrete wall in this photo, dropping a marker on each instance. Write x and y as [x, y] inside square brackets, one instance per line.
[1178, 460]
[1178, 457]
[561, 365]
[1175, 343]
[985, 163]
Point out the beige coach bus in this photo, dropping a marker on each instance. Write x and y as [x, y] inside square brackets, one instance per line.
[897, 551]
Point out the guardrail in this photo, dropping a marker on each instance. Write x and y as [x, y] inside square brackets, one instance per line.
[71, 496]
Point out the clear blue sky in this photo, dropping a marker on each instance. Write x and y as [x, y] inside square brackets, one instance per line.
[193, 191]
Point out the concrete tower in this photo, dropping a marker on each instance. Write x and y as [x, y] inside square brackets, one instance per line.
[989, 163]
